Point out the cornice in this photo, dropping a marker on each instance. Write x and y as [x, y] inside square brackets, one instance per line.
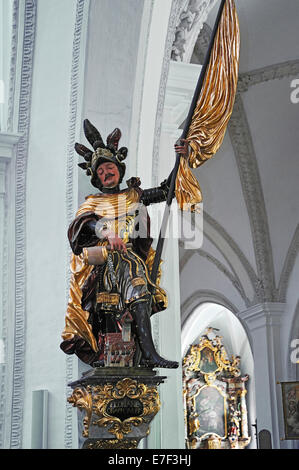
[264, 314]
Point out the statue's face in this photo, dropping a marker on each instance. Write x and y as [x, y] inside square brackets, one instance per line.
[108, 174]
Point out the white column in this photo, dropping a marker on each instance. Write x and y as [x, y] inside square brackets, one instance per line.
[167, 429]
[263, 325]
[179, 91]
[7, 279]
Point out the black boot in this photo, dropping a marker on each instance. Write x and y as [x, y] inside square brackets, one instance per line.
[140, 312]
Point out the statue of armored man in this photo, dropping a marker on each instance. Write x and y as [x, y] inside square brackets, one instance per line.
[112, 296]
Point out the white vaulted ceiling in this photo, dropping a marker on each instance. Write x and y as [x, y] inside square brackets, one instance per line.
[250, 187]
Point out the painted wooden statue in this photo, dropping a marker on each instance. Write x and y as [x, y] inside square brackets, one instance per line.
[115, 272]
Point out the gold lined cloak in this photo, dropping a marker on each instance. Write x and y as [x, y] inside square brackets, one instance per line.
[108, 206]
[214, 106]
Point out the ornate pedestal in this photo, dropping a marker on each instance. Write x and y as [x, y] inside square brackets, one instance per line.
[119, 405]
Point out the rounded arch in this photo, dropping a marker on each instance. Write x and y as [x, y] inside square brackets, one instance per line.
[202, 296]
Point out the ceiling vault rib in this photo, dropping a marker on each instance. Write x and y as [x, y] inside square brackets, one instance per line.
[244, 151]
[234, 280]
[288, 266]
[265, 74]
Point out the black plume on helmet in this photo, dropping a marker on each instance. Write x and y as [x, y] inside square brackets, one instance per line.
[101, 153]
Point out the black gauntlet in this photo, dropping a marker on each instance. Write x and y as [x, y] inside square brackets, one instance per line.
[158, 194]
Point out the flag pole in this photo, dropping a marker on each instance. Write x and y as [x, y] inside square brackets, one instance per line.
[160, 244]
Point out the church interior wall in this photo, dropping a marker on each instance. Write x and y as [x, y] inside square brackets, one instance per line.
[248, 261]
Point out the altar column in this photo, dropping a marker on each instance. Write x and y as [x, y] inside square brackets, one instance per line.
[263, 325]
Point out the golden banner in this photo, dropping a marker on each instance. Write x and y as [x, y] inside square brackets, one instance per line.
[214, 106]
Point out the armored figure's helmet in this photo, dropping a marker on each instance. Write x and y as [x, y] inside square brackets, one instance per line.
[102, 153]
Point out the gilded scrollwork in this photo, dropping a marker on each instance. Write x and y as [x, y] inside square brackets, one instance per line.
[82, 399]
[145, 395]
[215, 354]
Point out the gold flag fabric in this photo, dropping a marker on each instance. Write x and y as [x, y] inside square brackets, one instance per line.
[214, 106]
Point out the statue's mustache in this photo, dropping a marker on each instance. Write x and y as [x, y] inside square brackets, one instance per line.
[108, 176]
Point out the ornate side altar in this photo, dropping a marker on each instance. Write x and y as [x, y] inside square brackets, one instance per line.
[214, 396]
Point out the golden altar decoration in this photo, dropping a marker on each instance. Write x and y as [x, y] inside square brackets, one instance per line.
[214, 397]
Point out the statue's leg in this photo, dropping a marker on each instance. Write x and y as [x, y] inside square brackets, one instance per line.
[140, 311]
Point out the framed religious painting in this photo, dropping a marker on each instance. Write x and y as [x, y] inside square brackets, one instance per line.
[290, 401]
[211, 409]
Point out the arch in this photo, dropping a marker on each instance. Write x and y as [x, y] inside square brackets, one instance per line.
[202, 296]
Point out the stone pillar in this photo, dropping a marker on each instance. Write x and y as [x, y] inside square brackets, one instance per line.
[167, 429]
[8, 142]
[262, 323]
[169, 424]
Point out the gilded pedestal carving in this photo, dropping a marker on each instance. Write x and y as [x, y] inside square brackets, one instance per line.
[118, 406]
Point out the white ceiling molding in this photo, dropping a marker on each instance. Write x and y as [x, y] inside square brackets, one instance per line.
[191, 20]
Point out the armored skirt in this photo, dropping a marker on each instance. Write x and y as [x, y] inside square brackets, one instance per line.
[122, 280]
